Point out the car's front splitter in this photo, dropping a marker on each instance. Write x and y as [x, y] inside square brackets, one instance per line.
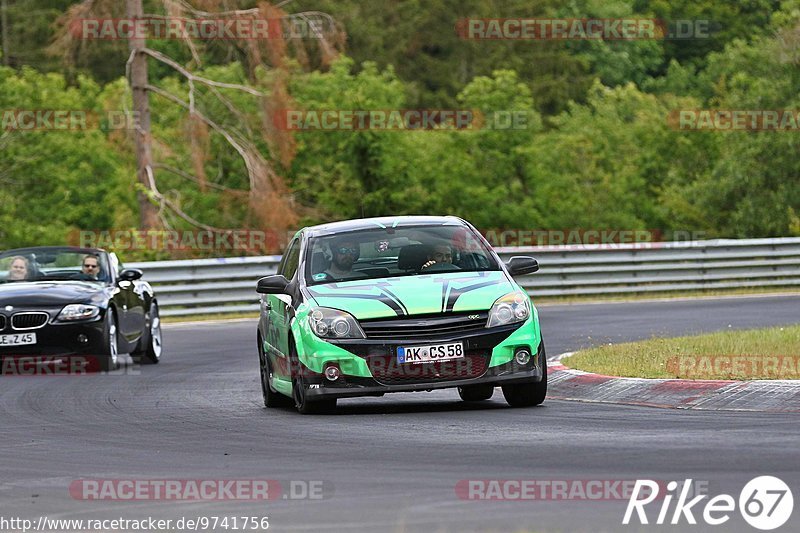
[318, 386]
[60, 339]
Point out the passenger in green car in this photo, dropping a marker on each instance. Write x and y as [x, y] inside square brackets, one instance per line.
[441, 253]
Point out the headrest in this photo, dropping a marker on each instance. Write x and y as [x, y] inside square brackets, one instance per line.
[412, 257]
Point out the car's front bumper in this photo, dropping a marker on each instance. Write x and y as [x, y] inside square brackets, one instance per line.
[65, 339]
[350, 387]
[370, 366]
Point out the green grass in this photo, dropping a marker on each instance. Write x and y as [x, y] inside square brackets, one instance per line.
[772, 353]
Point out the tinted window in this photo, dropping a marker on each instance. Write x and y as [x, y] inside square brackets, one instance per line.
[400, 251]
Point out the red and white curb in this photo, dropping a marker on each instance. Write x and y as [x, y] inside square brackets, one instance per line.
[565, 383]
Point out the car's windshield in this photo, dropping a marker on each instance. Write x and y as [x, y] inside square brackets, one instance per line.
[53, 265]
[400, 251]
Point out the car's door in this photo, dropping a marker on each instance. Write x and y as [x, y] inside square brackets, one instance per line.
[279, 312]
[129, 302]
[137, 306]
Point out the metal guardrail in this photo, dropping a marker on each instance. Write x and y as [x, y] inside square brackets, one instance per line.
[227, 285]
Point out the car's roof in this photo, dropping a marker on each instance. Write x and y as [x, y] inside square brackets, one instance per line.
[44, 249]
[381, 222]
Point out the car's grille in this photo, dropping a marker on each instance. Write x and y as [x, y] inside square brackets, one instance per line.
[2, 322]
[425, 326]
[23, 321]
[387, 371]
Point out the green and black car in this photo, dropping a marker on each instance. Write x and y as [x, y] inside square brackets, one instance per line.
[366, 307]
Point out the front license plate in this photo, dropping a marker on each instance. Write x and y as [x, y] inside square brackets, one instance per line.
[428, 354]
[18, 339]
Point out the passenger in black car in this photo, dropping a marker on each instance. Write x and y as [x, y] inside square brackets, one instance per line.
[19, 269]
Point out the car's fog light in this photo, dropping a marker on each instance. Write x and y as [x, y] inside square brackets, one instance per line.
[522, 356]
[83, 339]
[332, 372]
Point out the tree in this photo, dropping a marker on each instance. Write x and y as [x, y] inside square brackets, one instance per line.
[269, 202]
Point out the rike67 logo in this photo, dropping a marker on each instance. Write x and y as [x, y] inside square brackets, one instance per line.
[765, 502]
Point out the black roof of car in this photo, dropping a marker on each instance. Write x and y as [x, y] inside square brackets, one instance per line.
[380, 222]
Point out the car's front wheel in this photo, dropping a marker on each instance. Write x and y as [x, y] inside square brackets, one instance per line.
[476, 393]
[302, 402]
[109, 359]
[528, 394]
[151, 347]
[272, 398]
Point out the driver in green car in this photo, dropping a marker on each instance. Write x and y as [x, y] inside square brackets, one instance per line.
[344, 253]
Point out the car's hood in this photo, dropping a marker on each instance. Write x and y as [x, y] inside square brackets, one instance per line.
[414, 295]
[49, 293]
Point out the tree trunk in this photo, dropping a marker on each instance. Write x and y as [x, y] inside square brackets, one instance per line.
[4, 24]
[148, 214]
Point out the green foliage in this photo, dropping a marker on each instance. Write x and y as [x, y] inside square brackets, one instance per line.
[591, 148]
[57, 181]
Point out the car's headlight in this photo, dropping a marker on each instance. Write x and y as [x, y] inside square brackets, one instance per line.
[509, 309]
[334, 324]
[78, 312]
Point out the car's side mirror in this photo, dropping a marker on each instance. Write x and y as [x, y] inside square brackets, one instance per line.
[130, 274]
[521, 264]
[275, 284]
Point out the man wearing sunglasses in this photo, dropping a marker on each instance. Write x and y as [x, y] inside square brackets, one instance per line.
[91, 266]
[344, 253]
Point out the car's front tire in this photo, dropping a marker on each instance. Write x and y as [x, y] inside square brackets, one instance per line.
[149, 352]
[476, 393]
[302, 402]
[109, 359]
[304, 405]
[528, 394]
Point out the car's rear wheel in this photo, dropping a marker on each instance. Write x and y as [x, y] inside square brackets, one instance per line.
[476, 393]
[528, 394]
[109, 360]
[150, 349]
[272, 398]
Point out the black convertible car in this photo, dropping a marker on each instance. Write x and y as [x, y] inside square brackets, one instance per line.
[67, 301]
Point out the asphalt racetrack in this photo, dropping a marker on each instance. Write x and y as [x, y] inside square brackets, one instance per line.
[384, 464]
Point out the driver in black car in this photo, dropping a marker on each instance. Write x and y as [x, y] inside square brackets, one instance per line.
[440, 253]
[91, 266]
